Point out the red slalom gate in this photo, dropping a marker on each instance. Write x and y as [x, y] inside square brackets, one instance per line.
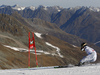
[31, 46]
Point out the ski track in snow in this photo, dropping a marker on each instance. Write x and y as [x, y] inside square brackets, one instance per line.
[84, 70]
[57, 53]
[38, 34]
[38, 51]
[58, 50]
[96, 42]
[26, 50]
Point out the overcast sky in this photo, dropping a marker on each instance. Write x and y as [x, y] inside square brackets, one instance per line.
[62, 3]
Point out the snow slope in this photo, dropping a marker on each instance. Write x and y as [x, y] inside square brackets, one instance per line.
[84, 70]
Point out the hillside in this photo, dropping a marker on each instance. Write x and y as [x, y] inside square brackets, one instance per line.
[38, 25]
[14, 35]
[85, 24]
[53, 44]
[11, 28]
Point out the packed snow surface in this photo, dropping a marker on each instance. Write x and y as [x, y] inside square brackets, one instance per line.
[38, 35]
[39, 52]
[84, 70]
[58, 49]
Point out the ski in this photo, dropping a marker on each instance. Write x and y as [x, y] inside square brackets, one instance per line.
[49, 67]
[65, 66]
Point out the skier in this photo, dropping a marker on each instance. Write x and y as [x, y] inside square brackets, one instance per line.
[91, 57]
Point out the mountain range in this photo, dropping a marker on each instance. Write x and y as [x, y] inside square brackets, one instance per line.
[64, 28]
[80, 21]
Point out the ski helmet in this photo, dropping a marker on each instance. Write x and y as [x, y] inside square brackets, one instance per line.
[83, 44]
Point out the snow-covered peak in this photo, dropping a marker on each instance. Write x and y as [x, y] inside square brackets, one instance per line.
[31, 7]
[95, 9]
[42, 6]
[58, 8]
[2, 6]
[51, 8]
[77, 7]
[17, 7]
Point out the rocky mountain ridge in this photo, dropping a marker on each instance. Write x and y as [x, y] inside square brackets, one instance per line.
[19, 8]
